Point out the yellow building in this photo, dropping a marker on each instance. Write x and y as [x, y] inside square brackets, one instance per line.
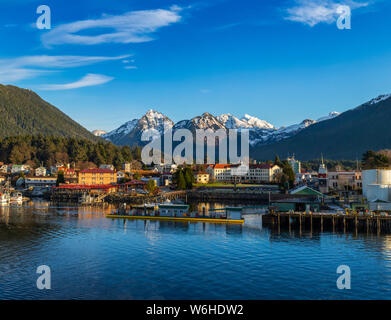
[201, 177]
[97, 176]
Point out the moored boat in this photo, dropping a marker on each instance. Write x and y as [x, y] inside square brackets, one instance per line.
[4, 198]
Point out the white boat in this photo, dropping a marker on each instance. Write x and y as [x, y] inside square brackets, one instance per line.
[16, 197]
[4, 198]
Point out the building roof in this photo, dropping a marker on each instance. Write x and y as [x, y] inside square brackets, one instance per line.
[223, 166]
[306, 190]
[262, 166]
[134, 182]
[85, 186]
[97, 170]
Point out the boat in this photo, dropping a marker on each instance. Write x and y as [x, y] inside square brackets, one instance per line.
[179, 212]
[4, 198]
[16, 197]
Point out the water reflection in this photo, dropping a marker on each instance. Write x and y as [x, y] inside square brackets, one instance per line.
[94, 257]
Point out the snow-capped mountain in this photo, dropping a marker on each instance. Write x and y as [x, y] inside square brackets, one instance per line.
[99, 133]
[261, 131]
[131, 131]
[232, 122]
[205, 121]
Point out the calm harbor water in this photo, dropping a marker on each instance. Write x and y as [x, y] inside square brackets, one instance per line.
[93, 257]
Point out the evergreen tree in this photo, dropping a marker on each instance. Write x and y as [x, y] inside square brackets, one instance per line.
[189, 178]
[181, 184]
[60, 178]
[150, 186]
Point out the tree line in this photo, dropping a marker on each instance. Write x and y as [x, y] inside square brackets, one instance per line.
[50, 150]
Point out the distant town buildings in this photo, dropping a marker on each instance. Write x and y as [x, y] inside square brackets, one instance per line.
[97, 176]
[107, 166]
[201, 177]
[40, 172]
[344, 180]
[256, 173]
[295, 164]
[40, 182]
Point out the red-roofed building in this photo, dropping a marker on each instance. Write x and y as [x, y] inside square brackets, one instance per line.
[97, 176]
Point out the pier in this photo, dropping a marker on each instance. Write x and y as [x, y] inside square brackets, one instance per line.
[318, 221]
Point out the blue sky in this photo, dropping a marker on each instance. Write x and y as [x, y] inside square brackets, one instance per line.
[107, 62]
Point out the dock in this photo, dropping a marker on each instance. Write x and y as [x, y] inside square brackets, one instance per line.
[318, 221]
[180, 219]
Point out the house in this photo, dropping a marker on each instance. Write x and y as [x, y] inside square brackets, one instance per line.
[120, 175]
[156, 180]
[40, 172]
[169, 168]
[201, 177]
[40, 182]
[344, 180]
[126, 166]
[4, 168]
[107, 166]
[97, 176]
[70, 175]
[56, 168]
[165, 179]
[18, 168]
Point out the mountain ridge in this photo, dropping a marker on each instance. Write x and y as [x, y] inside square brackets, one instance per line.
[24, 112]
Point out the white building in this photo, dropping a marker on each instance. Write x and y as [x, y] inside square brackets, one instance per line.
[376, 186]
[107, 166]
[295, 164]
[166, 168]
[256, 173]
[40, 182]
[120, 175]
[18, 168]
[260, 173]
[40, 172]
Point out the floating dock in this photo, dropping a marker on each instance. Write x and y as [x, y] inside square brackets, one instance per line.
[181, 219]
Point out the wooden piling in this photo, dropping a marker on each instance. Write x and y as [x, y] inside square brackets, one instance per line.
[321, 224]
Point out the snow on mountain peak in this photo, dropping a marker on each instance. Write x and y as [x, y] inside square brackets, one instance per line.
[247, 121]
[380, 98]
[331, 115]
[99, 133]
[256, 122]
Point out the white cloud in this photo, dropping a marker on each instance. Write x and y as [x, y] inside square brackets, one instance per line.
[131, 27]
[130, 67]
[312, 12]
[15, 69]
[87, 81]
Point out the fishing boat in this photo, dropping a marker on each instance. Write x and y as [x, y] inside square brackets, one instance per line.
[178, 212]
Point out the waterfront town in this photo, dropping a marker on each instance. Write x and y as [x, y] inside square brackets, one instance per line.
[282, 186]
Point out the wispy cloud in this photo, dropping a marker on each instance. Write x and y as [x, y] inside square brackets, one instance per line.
[313, 12]
[88, 80]
[131, 27]
[15, 69]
